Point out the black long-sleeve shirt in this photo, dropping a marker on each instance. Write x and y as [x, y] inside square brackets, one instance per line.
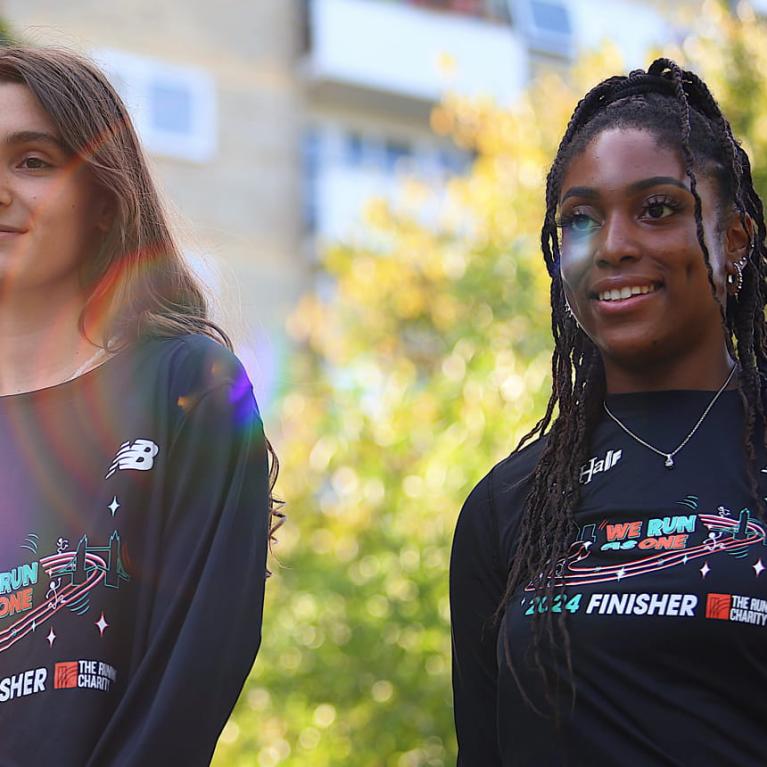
[133, 545]
[664, 594]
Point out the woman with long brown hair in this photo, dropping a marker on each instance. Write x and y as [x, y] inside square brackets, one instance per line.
[134, 471]
[607, 589]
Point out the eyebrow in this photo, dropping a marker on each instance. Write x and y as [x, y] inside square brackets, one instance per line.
[32, 136]
[638, 186]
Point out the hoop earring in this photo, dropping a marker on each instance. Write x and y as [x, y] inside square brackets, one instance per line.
[735, 281]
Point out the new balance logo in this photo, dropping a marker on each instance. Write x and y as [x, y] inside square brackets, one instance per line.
[138, 455]
[594, 466]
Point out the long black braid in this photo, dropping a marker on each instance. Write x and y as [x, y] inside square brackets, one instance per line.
[702, 134]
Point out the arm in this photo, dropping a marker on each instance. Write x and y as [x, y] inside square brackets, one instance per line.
[204, 625]
[477, 583]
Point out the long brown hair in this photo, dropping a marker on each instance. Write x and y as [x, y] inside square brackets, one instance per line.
[138, 284]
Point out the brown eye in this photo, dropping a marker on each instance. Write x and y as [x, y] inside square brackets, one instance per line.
[34, 163]
[660, 208]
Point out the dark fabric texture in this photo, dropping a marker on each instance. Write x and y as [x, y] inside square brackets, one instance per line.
[132, 558]
[664, 595]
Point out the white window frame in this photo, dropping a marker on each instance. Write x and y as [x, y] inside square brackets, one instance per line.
[134, 76]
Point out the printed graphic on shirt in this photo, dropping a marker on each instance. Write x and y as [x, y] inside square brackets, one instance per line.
[138, 455]
[72, 574]
[659, 543]
[736, 608]
[724, 607]
[674, 605]
[644, 546]
[89, 674]
[597, 465]
[67, 675]
[23, 684]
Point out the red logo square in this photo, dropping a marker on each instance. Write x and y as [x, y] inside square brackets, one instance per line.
[65, 675]
[718, 606]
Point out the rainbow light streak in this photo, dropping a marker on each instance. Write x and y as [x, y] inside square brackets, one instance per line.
[576, 258]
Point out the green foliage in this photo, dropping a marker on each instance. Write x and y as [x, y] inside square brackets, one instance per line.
[7, 37]
[426, 365]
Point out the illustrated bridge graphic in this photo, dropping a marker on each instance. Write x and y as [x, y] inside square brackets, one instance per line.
[84, 568]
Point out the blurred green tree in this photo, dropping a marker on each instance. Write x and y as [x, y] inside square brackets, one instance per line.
[427, 363]
[7, 36]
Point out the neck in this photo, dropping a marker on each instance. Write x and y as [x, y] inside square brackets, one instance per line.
[705, 371]
[40, 341]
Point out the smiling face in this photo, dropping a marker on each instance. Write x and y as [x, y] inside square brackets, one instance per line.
[631, 264]
[52, 215]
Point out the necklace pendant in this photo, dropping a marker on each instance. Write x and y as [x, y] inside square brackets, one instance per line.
[669, 462]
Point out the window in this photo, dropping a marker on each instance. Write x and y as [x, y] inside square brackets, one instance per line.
[395, 153]
[454, 162]
[545, 24]
[550, 18]
[355, 149]
[345, 165]
[173, 108]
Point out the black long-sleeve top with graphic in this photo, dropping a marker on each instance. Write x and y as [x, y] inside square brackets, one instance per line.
[133, 546]
[664, 595]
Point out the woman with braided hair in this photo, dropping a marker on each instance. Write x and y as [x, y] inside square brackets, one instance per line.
[607, 595]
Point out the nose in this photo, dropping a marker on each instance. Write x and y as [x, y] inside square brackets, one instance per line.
[618, 242]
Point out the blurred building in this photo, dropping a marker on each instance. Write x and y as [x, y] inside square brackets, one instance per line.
[269, 122]
[373, 70]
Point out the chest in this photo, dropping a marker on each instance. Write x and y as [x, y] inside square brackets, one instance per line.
[662, 557]
[81, 497]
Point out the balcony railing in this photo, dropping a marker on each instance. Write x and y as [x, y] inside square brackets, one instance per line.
[496, 10]
[402, 48]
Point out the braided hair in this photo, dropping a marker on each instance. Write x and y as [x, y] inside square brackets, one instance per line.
[704, 139]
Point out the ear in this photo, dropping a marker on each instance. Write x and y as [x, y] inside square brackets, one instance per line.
[106, 209]
[738, 236]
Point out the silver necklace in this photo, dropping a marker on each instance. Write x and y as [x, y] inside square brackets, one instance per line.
[670, 456]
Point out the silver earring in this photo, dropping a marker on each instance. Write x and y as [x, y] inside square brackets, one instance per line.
[736, 280]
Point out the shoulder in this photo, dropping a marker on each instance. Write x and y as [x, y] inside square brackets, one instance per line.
[507, 480]
[180, 373]
[195, 358]
[493, 508]
[192, 365]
